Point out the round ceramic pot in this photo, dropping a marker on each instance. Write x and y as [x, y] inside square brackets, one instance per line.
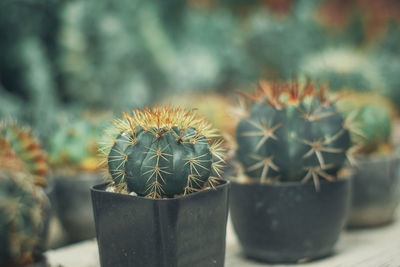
[376, 191]
[74, 206]
[289, 222]
[179, 232]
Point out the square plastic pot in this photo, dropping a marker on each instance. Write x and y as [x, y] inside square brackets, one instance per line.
[183, 231]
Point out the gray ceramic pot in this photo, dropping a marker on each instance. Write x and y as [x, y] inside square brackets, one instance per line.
[74, 205]
[376, 191]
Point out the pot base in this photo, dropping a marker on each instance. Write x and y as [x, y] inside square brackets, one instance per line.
[289, 222]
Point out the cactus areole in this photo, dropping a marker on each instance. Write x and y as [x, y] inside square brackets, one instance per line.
[162, 152]
[293, 132]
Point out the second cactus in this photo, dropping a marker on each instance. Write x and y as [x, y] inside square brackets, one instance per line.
[292, 133]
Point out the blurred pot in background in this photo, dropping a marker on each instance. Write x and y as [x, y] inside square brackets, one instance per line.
[376, 188]
[73, 155]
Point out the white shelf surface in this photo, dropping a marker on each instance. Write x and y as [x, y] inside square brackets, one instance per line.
[373, 247]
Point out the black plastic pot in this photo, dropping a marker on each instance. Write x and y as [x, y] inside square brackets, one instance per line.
[376, 191]
[289, 222]
[74, 206]
[183, 231]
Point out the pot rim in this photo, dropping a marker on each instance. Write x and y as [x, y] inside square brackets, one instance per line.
[292, 183]
[99, 188]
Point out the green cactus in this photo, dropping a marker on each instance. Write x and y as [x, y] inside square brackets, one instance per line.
[21, 220]
[292, 133]
[372, 116]
[163, 152]
[344, 68]
[74, 144]
[19, 142]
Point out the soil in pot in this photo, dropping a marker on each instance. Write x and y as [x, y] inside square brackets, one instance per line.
[289, 222]
[376, 191]
[183, 231]
[74, 206]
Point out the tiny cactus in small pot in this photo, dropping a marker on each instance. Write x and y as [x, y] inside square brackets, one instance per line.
[165, 164]
[291, 146]
[376, 179]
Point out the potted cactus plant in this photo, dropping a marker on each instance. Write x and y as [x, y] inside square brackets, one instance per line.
[376, 190]
[166, 203]
[19, 144]
[75, 163]
[289, 204]
[23, 205]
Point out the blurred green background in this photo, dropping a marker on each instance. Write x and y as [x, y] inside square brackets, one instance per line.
[60, 57]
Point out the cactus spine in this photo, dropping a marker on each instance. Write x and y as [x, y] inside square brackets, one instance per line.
[292, 133]
[163, 152]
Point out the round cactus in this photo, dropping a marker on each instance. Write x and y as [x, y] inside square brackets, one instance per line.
[19, 142]
[21, 220]
[73, 145]
[372, 116]
[292, 133]
[162, 152]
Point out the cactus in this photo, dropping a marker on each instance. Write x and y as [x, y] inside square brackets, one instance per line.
[344, 68]
[163, 152]
[215, 107]
[293, 132]
[74, 145]
[18, 142]
[371, 119]
[21, 220]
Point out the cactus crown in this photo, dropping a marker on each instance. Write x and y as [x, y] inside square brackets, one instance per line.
[293, 132]
[371, 116]
[21, 206]
[163, 152]
[17, 142]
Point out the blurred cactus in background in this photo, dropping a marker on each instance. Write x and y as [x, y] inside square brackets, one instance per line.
[344, 68]
[21, 222]
[73, 145]
[19, 144]
[113, 55]
[27, 73]
[215, 107]
[293, 132]
[163, 152]
[22, 202]
[371, 119]
[278, 44]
